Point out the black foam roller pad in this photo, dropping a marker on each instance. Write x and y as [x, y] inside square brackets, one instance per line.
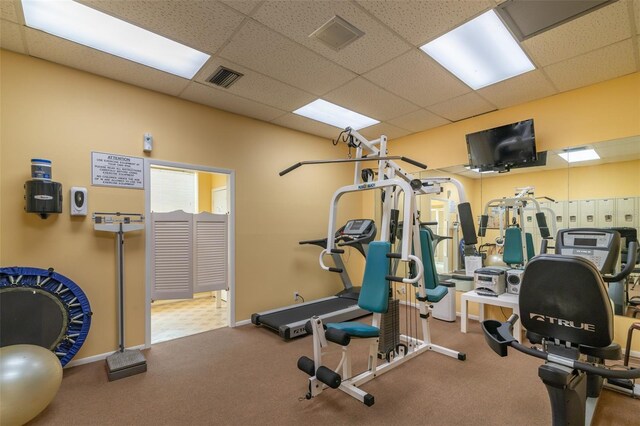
[306, 364]
[338, 336]
[328, 377]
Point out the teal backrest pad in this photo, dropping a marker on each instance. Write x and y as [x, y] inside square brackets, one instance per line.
[430, 273]
[374, 294]
[513, 246]
[512, 254]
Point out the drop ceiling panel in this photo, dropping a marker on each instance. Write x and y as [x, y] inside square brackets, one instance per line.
[600, 65]
[600, 28]
[294, 121]
[11, 37]
[417, 78]
[391, 131]
[464, 106]
[73, 55]
[420, 21]
[244, 6]
[257, 87]
[362, 96]
[206, 95]
[203, 25]
[9, 11]
[298, 19]
[259, 48]
[518, 90]
[419, 120]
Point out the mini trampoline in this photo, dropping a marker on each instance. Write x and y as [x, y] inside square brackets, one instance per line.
[44, 308]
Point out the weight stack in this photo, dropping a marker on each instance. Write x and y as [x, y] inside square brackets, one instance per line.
[389, 329]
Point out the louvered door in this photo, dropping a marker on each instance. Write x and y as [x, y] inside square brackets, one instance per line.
[172, 255]
[210, 255]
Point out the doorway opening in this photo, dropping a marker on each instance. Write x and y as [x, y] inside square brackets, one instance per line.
[190, 280]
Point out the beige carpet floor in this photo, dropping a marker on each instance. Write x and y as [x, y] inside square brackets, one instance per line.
[248, 376]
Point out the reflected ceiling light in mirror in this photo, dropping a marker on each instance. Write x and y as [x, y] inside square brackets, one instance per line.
[579, 154]
[481, 52]
[478, 170]
[81, 24]
[334, 115]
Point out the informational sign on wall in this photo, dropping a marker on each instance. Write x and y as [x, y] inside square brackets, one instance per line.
[117, 170]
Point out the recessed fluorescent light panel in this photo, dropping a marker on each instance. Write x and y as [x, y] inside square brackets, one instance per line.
[480, 53]
[579, 155]
[84, 25]
[335, 115]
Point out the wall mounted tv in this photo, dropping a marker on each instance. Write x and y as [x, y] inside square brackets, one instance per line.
[504, 147]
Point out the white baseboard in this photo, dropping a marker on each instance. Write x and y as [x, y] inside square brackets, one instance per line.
[243, 322]
[95, 358]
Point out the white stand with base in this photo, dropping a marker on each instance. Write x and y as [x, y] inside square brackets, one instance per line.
[124, 362]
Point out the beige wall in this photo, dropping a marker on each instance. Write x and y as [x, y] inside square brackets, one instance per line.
[601, 112]
[50, 111]
[204, 191]
[54, 112]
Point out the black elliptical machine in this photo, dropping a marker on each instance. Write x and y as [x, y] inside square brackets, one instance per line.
[566, 309]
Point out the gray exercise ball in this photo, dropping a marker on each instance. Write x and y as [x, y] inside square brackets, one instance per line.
[30, 377]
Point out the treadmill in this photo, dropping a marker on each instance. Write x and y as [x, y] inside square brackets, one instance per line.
[290, 321]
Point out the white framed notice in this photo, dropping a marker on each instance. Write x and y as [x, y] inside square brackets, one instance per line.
[116, 170]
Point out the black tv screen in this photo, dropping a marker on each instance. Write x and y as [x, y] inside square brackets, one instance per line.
[502, 147]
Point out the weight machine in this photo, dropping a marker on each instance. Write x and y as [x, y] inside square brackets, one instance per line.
[380, 271]
[518, 244]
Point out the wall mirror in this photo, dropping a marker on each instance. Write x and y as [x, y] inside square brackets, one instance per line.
[601, 192]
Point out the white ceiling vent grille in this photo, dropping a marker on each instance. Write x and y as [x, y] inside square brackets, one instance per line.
[224, 77]
[527, 18]
[337, 33]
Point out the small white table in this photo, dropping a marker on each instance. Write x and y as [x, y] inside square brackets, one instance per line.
[506, 300]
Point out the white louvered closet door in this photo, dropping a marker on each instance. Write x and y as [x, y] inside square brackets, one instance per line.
[172, 255]
[211, 251]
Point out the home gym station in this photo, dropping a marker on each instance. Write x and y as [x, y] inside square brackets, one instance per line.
[319, 212]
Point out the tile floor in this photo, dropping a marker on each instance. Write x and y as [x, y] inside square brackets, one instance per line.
[186, 317]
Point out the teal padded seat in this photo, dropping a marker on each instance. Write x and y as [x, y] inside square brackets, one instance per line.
[356, 329]
[374, 294]
[512, 254]
[435, 292]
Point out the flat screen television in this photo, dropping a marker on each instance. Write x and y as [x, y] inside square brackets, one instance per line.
[502, 148]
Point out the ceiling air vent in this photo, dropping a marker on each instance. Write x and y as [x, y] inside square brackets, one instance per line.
[527, 18]
[337, 33]
[224, 77]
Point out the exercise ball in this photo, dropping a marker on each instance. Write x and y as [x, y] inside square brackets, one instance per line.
[494, 260]
[30, 377]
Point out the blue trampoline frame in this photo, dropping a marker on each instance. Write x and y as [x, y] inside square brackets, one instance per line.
[70, 295]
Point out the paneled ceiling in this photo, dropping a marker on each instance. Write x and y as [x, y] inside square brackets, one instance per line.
[383, 74]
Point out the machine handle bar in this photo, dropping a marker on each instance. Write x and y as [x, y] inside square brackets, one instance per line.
[353, 160]
[413, 280]
[632, 255]
[325, 267]
[578, 365]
